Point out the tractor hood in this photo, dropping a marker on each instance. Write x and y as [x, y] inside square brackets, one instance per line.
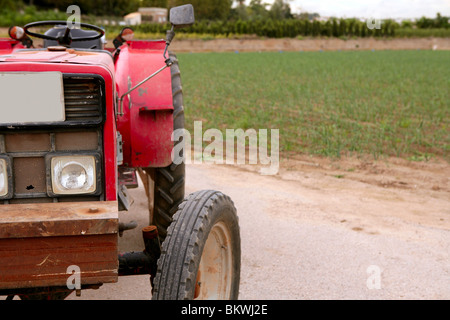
[60, 55]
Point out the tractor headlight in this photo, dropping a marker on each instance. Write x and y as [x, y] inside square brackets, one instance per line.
[74, 174]
[3, 178]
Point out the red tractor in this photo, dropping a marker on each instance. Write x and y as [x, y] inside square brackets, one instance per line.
[78, 125]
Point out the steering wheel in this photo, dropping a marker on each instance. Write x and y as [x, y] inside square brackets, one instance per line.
[64, 37]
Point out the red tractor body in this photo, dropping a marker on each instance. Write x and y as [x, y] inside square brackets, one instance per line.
[145, 128]
[77, 122]
[7, 45]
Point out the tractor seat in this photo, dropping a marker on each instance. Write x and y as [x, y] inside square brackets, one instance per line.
[75, 33]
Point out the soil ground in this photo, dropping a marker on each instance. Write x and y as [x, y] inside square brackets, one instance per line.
[230, 45]
[317, 228]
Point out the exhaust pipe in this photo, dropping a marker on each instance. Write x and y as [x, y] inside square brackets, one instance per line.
[144, 262]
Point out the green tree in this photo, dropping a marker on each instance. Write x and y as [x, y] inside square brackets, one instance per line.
[335, 28]
[8, 5]
[441, 22]
[342, 27]
[280, 10]
[208, 9]
[154, 3]
[407, 24]
[357, 29]
[424, 23]
[315, 28]
[100, 7]
[257, 10]
[241, 10]
[327, 29]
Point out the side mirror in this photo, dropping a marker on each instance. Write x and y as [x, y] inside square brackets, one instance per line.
[182, 16]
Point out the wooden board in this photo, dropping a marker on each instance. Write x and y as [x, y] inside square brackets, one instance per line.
[58, 219]
[38, 242]
[42, 262]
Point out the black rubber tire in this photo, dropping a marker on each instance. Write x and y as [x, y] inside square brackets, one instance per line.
[170, 181]
[182, 251]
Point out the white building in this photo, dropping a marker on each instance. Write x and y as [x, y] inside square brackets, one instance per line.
[156, 15]
[133, 19]
[147, 15]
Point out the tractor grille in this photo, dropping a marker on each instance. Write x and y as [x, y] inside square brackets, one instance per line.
[27, 151]
[83, 99]
[27, 145]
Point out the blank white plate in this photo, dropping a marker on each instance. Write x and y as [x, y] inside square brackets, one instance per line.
[33, 97]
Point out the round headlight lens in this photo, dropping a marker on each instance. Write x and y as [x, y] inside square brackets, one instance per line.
[73, 175]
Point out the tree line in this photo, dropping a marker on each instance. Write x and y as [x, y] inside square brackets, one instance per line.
[221, 17]
[287, 28]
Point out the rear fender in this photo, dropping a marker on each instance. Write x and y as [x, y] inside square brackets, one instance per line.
[147, 123]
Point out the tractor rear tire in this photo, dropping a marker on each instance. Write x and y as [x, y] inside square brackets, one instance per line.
[169, 182]
[201, 256]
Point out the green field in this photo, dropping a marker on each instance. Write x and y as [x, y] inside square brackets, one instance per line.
[382, 103]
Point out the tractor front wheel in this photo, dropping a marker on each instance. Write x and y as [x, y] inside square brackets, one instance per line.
[201, 255]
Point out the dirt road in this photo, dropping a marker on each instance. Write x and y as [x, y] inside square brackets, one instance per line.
[327, 230]
[287, 44]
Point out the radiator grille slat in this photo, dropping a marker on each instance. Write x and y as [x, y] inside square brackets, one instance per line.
[83, 99]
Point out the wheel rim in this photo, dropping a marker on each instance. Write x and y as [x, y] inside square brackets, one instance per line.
[215, 269]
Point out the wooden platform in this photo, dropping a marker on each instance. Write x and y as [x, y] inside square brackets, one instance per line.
[39, 242]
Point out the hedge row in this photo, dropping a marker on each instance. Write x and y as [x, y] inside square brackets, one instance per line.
[282, 28]
[294, 28]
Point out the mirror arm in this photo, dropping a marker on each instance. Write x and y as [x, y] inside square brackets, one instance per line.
[169, 37]
[168, 64]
